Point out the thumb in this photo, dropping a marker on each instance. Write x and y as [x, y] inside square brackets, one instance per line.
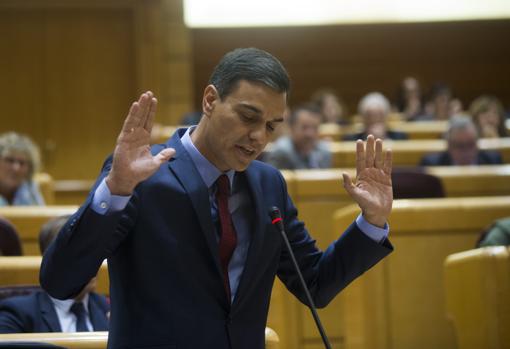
[348, 185]
[164, 155]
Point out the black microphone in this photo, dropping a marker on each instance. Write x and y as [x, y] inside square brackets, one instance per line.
[276, 219]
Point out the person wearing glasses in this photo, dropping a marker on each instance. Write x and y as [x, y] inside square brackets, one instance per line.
[19, 160]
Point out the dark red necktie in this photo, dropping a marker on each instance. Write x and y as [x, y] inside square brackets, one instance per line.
[228, 238]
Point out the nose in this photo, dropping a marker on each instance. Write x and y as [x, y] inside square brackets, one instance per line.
[258, 136]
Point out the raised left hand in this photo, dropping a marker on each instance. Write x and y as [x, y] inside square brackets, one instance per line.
[373, 190]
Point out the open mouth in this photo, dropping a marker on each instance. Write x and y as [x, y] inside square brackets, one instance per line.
[247, 151]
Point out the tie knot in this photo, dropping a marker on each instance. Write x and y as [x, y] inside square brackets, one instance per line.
[78, 309]
[223, 185]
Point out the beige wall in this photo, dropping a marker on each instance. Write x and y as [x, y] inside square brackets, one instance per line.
[70, 70]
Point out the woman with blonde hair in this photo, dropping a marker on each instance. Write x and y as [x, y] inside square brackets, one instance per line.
[19, 160]
[489, 117]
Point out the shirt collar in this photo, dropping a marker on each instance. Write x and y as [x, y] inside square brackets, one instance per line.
[207, 170]
[66, 304]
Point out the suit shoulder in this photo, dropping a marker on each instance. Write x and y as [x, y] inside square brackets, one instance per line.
[28, 302]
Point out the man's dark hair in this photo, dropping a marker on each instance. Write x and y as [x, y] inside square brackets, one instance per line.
[250, 64]
[308, 107]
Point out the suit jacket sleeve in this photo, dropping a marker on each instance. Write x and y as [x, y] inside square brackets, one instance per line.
[85, 241]
[325, 272]
[12, 318]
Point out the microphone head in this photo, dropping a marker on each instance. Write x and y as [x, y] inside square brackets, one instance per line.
[274, 212]
[276, 217]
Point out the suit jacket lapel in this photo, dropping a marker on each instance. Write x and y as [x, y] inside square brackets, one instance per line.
[97, 314]
[48, 313]
[184, 169]
[257, 236]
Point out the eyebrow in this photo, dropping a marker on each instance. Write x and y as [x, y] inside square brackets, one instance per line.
[251, 107]
[259, 112]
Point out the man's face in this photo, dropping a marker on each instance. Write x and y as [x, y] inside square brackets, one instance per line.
[240, 126]
[305, 131]
[14, 170]
[462, 146]
[374, 116]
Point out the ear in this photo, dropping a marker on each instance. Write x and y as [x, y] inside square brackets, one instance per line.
[211, 96]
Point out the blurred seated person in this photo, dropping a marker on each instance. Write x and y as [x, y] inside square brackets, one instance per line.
[489, 117]
[462, 141]
[302, 148]
[374, 109]
[409, 99]
[331, 107]
[38, 312]
[191, 118]
[497, 235]
[19, 160]
[440, 104]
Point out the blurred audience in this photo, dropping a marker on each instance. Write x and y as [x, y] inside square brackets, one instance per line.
[409, 98]
[331, 107]
[374, 109]
[301, 148]
[19, 160]
[440, 104]
[39, 312]
[462, 141]
[497, 234]
[489, 117]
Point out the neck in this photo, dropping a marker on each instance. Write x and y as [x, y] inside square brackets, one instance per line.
[199, 139]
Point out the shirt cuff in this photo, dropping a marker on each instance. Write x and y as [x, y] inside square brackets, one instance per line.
[375, 233]
[103, 202]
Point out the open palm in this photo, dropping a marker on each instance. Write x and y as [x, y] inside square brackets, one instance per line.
[373, 189]
[132, 158]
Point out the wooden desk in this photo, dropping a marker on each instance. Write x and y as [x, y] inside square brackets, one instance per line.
[414, 130]
[409, 153]
[46, 186]
[94, 340]
[80, 340]
[24, 270]
[477, 287]
[72, 192]
[400, 303]
[28, 221]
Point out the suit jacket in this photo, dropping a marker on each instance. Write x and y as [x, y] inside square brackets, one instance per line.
[444, 159]
[165, 277]
[36, 313]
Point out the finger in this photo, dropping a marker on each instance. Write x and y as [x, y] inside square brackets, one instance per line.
[145, 104]
[152, 113]
[348, 184]
[164, 155]
[370, 152]
[131, 121]
[388, 162]
[379, 153]
[360, 157]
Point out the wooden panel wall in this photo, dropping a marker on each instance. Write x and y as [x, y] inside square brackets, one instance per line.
[70, 70]
[355, 59]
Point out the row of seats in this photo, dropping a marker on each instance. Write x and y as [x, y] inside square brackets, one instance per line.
[84, 340]
[400, 303]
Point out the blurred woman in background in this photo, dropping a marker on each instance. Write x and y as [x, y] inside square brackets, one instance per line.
[19, 160]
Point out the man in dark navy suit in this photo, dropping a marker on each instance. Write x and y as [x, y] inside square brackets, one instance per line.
[462, 139]
[38, 312]
[192, 253]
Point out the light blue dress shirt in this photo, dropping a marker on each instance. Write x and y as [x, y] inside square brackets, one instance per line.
[104, 202]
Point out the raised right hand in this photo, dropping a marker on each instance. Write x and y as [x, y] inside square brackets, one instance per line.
[132, 158]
